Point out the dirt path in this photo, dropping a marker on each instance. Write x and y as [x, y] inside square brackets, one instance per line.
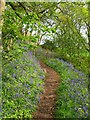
[47, 100]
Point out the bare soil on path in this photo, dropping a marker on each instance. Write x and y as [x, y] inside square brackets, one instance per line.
[46, 105]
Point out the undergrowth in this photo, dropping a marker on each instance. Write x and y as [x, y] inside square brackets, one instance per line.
[72, 94]
[22, 83]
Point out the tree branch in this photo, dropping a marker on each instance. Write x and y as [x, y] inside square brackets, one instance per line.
[23, 7]
[14, 10]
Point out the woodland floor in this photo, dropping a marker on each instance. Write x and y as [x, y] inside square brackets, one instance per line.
[47, 99]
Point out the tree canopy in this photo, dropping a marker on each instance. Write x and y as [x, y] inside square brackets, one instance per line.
[61, 26]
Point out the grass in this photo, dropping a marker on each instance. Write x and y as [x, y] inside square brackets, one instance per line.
[80, 62]
[24, 77]
[21, 87]
[72, 94]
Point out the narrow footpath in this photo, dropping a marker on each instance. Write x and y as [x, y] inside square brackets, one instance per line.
[47, 99]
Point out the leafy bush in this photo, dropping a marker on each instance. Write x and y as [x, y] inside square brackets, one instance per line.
[21, 86]
[72, 101]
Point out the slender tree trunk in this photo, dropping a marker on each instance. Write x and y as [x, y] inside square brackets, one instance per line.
[89, 55]
[2, 8]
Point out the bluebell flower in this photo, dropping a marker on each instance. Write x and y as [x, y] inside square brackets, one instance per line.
[26, 85]
[42, 77]
[38, 84]
[30, 53]
[8, 88]
[25, 48]
[86, 114]
[76, 108]
[38, 99]
[72, 81]
[14, 75]
[17, 94]
[12, 111]
[18, 41]
[29, 88]
[81, 74]
[84, 108]
[15, 67]
[35, 70]
[31, 80]
[42, 85]
[29, 92]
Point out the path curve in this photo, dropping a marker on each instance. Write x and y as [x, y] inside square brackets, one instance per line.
[47, 99]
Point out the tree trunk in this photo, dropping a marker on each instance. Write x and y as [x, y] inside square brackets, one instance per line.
[2, 8]
[89, 55]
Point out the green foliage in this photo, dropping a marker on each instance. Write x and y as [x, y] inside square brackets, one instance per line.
[80, 62]
[26, 25]
[21, 86]
[49, 45]
[72, 94]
